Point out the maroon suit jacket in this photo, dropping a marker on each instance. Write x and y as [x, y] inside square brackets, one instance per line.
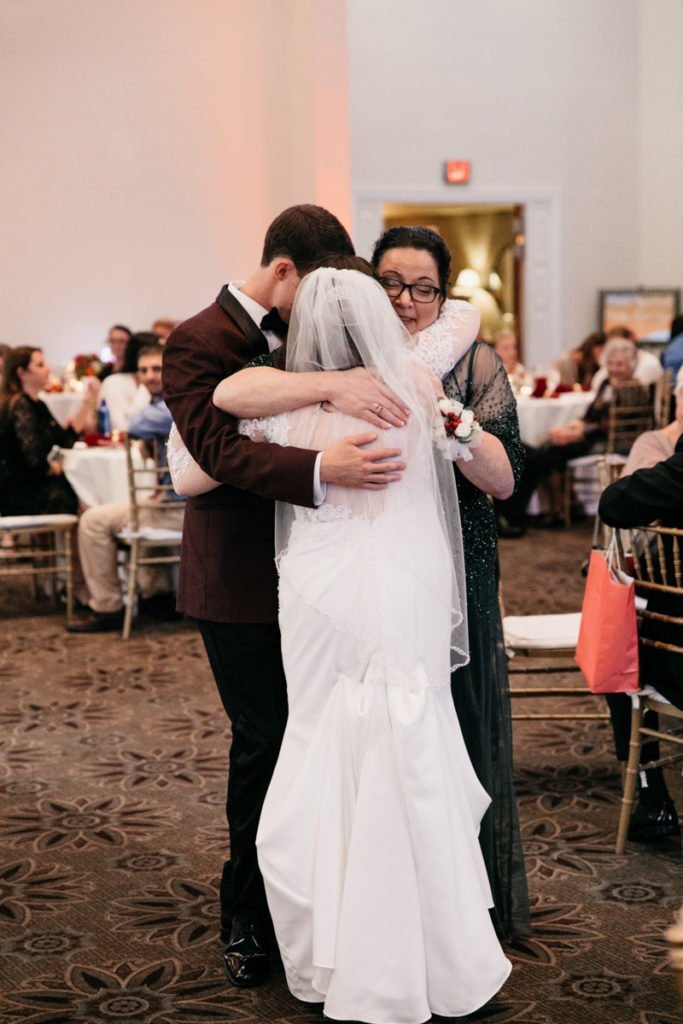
[227, 567]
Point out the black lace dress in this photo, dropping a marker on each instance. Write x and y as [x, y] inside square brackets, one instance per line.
[480, 690]
[26, 485]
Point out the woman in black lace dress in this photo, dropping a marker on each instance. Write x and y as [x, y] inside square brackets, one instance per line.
[29, 484]
[418, 257]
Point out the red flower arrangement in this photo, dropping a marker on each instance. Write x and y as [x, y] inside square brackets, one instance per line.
[88, 365]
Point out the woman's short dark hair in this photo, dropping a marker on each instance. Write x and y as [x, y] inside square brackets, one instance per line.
[416, 238]
[133, 346]
[302, 233]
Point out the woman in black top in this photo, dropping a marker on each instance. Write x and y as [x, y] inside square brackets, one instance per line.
[29, 484]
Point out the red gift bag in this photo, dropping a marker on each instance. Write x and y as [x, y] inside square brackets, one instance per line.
[607, 651]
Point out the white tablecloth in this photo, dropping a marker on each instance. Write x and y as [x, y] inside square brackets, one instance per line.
[97, 475]
[62, 404]
[537, 416]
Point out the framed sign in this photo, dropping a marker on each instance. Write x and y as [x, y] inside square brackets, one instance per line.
[647, 311]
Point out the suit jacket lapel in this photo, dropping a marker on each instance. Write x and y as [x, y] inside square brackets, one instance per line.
[238, 314]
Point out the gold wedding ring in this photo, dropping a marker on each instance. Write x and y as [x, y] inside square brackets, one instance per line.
[379, 409]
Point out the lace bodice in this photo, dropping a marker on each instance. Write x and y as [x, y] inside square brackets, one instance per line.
[441, 345]
[274, 429]
[190, 479]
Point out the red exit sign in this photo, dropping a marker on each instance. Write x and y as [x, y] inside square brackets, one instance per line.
[457, 172]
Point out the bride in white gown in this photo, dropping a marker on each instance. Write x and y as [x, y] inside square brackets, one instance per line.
[368, 838]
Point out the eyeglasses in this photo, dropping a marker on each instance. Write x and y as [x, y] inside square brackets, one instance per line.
[418, 292]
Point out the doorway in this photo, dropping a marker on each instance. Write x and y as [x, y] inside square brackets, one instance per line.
[486, 241]
[538, 280]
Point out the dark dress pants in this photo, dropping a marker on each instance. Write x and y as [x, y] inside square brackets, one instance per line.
[247, 665]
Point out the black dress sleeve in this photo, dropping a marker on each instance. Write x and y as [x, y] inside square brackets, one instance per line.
[36, 432]
[480, 381]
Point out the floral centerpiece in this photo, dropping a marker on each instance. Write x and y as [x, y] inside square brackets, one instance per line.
[80, 368]
[87, 366]
[457, 430]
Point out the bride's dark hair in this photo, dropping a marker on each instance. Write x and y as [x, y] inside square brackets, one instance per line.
[416, 238]
[338, 261]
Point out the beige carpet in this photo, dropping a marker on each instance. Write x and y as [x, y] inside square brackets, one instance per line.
[112, 784]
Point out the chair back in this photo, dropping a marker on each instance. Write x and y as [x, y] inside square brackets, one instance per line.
[663, 391]
[658, 572]
[149, 480]
[631, 413]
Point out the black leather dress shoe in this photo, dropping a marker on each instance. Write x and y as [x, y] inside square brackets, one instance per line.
[246, 956]
[650, 822]
[96, 622]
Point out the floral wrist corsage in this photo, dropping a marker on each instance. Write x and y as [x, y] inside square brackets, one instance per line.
[460, 427]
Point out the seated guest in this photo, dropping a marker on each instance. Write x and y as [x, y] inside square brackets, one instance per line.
[29, 484]
[672, 357]
[580, 437]
[98, 526]
[648, 369]
[117, 339]
[579, 365]
[123, 392]
[505, 346]
[645, 496]
[656, 445]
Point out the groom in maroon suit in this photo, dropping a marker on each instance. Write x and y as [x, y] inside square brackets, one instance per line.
[228, 580]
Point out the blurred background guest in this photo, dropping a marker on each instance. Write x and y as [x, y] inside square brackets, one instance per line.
[579, 437]
[99, 525]
[672, 357]
[117, 339]
[648, 369]
[162, 327]
[656, 445]
[122, 390]
[579, 365]
[505, 346]
[29, 483]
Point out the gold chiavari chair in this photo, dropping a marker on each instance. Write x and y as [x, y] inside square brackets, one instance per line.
[658, 571]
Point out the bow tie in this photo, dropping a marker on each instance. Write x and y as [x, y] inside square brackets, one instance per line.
[273, 322]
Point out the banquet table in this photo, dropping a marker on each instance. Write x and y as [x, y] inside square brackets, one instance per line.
[62, 404]
[538, 416]
[97, 475]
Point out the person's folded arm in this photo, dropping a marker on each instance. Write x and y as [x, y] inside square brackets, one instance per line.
[265, 391]
[646, 495]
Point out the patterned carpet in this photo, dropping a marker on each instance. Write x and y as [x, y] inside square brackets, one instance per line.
[111, 836]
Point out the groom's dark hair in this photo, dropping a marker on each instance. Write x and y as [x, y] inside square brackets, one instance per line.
[303, 234]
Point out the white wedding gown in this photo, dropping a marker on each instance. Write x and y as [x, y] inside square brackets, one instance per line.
[368, 837]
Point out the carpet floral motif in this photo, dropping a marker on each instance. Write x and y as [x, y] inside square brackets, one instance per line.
[113, 765]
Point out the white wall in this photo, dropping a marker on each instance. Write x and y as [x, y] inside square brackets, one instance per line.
[660, 250]
[147, 144]
[538, 94]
